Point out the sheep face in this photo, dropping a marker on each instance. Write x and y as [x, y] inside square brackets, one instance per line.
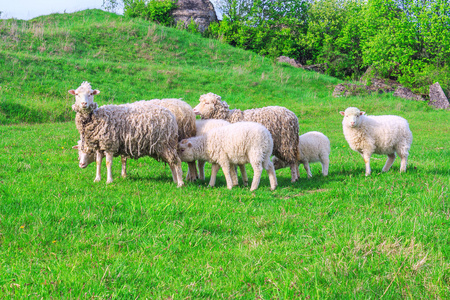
[186, 151]
[84, 97]
[352, 117]
[208, 105]
[84, 158]
[278, 163]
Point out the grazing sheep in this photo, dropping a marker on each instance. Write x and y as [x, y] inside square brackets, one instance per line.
[203, 126]
[377, 134]
[88, 156]
[281, 123]
[313, 147]
[228, 146]
[127, 131]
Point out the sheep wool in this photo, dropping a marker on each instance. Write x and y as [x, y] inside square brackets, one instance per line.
[377, 134]
[203, 127]
[235, 144]
[281, 123]
[313, 147]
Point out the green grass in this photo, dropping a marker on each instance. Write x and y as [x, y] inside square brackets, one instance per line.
[342, 236]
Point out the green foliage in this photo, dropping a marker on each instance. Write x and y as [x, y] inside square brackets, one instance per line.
[153, 10]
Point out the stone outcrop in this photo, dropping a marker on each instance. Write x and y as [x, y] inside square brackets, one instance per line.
[291, 61]
[200, 11]
[406, 93]
[437, 97]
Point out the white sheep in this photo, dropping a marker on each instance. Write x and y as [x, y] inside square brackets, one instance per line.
[280, 121]
[313, 147]
[203, 127]
[115, 130]
[377, 134]
[228, 146]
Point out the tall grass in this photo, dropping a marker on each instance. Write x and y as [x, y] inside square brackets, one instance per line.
[341, 236]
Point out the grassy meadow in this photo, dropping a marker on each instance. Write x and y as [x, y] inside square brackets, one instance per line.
[336, 237]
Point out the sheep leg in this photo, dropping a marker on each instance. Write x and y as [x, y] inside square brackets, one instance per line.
[325, 165]
[244, 174]
[174, 173]
[179, 173]
[307, 169]
[403, 162]
[124, 166]
[272, 176]
[201, 169]
[366, 157]
[257, 171]
[226, 168]
[98, 162]
[233, 174]
[192, 174]
[294, 172]
[214, 169]
[389, 162]
[109, 160]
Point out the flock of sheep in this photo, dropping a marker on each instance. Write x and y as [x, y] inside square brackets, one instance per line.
[167, 130]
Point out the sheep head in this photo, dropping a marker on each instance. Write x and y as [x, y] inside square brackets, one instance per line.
[186, 151]
[210, 106]
[352, 117]
[85, 158]
[84, 97]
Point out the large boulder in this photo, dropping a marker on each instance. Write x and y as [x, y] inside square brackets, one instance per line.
[437, 97]
[406, 93]
[200, 11]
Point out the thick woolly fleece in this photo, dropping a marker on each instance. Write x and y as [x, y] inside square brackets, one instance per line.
[377, 134]
[235, 144]
[313, 147]
[123, 130]
[281, 123]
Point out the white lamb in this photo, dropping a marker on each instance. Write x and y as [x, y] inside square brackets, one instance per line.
[228, 146]
[313, 147]
[203, 127]
[377, 134]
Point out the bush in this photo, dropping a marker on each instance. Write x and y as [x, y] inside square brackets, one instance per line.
[153, 10]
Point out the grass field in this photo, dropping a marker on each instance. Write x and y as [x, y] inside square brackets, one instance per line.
[341, 236]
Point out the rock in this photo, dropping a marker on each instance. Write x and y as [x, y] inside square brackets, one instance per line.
[406, 93]
[201, 11]
[291, 61]
[349, 89]
[437, 97]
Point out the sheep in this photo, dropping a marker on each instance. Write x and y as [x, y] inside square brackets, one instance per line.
[127, 131]
[313, 147]
[281, 123]
[235, 144]
[377, 134]
[203, 126]
[88, 156]
[186, 128]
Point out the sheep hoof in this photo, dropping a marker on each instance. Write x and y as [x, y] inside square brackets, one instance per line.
[97, 179]
[245, 183]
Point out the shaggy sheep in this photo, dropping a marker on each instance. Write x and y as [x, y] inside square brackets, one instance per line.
[313, 147]
[186, 128]
[235, 144]
[127, 131]
[203, 127]
[281, 123]
[377, 134]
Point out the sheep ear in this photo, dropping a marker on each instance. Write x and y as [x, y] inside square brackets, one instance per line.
[75, 147]
[342, 113]
[362, 113]
[189, 145]
[72, 92]
[95, 92]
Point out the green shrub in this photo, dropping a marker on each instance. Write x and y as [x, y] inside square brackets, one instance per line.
[154, 10]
